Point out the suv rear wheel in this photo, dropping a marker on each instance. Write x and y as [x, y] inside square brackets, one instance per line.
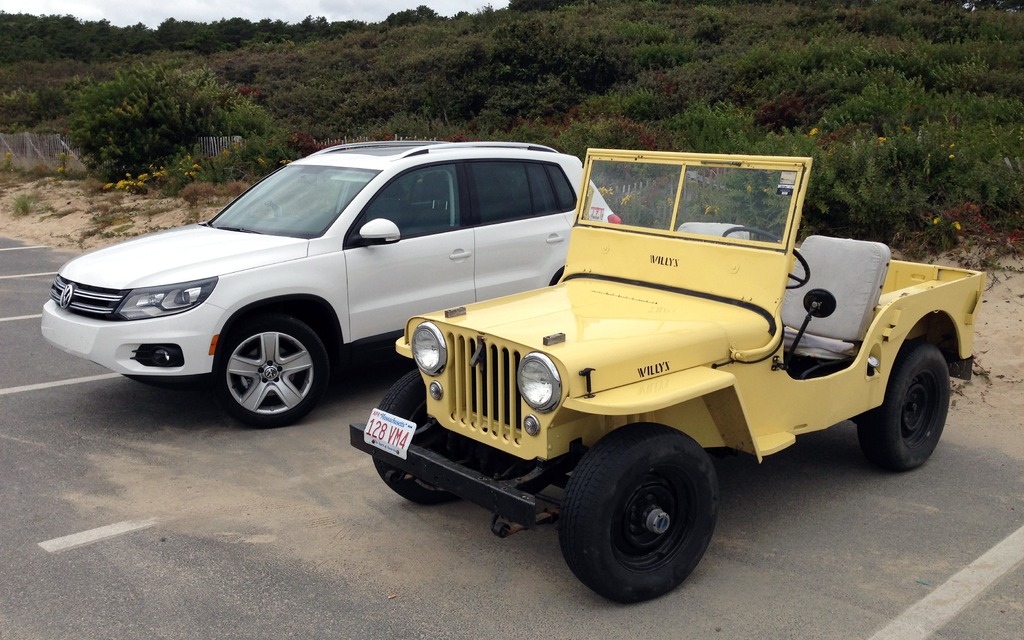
[271, 371]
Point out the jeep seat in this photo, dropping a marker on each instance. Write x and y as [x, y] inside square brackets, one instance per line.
[713, 229]
[854, 272]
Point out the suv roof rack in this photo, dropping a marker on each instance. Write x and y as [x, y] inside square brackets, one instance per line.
[417, 147]
[394, 146]
[439, 146]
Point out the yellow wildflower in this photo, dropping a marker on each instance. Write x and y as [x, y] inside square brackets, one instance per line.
[956, 225]
[935, 221]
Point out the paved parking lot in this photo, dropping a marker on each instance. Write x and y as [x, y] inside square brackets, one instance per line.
[135, 512]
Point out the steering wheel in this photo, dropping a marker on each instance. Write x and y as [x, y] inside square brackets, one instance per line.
[797, 281]
[276, 211]
[754, 231]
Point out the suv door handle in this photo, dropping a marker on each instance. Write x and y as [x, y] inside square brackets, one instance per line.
[460, 254]
[555, 238]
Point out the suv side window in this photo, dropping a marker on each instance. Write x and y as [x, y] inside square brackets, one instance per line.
[510, 190]
[563, 190]
[420, 202]
[502, 191]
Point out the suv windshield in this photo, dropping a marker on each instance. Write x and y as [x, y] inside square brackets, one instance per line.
[734, 202]
[298, 200]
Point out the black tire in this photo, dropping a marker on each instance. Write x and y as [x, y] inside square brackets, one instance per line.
[271, 371]
[407, 398]
[902, 433]
[605, 527]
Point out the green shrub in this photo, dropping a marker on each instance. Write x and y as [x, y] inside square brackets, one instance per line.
[149, 114]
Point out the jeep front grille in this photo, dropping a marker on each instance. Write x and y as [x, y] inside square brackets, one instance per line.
[94, 302]
[485, 395]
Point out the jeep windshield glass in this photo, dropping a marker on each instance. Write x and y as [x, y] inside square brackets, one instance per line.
[731, 202]
[298, 200]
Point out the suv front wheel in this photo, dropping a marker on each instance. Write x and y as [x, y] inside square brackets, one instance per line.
[271, 371]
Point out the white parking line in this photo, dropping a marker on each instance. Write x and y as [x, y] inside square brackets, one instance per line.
[35, 246]
[942, 605]
[95, 535]
[38, 315]
[59, 383]
[29, 275]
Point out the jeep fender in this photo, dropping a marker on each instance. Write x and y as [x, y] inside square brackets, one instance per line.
[701, 402]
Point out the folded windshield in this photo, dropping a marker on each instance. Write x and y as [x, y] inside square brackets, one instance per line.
[732, 202]
[299, 200]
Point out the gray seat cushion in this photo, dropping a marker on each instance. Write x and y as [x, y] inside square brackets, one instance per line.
[854, 272]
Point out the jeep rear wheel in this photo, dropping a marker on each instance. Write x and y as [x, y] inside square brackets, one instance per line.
[903, 432]
[638, 513]
[407, 398]
[272, 371]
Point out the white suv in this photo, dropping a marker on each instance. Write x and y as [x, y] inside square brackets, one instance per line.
[330, 253]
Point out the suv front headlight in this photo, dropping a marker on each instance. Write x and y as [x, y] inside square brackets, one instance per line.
[152, 302]
[429, 349]
[539, 382]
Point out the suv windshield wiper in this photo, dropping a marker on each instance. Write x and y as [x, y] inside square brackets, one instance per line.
[239, 229]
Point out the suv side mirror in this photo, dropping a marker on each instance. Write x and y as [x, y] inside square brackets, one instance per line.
[379, 231]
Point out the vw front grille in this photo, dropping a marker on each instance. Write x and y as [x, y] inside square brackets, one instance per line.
[94, 302]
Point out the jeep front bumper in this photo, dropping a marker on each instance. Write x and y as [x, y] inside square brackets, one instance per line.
[503, 498]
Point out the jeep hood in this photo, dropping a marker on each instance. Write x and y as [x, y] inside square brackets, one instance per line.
[624, 332]
[180, 255]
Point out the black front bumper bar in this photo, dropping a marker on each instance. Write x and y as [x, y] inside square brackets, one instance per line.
[504, 499]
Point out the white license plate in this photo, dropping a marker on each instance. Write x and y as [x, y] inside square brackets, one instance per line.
[389, 432]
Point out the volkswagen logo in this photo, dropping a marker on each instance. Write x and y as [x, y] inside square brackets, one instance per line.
[65, 295]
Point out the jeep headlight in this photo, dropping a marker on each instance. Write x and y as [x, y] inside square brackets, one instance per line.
[428, 348]
[539, 382]
[152, 302]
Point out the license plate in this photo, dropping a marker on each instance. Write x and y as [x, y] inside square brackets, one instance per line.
[389, 432]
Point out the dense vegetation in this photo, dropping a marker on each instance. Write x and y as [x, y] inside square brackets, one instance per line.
[912, 109]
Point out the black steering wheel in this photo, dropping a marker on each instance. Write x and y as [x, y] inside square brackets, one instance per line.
[754, 231]
[798, 281]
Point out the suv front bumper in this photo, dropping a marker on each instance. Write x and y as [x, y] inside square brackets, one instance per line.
[113, 344]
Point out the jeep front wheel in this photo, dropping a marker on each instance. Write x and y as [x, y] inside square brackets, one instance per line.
[638, 513]
[407, 398]
[271, 371]
[902, 433]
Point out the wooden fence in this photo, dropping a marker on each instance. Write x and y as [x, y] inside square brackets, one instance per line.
[26, 150]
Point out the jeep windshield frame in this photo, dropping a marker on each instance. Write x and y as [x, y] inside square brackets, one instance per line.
[715, 227]
[751, 201]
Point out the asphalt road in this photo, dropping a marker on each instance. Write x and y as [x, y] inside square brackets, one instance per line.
[128, 511]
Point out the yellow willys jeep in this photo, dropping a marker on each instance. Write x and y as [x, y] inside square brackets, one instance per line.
[687, 322]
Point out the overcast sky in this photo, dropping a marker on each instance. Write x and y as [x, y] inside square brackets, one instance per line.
[129, 12]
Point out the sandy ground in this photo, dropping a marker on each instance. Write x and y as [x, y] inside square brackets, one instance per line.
[989, 410]
[66, 214]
